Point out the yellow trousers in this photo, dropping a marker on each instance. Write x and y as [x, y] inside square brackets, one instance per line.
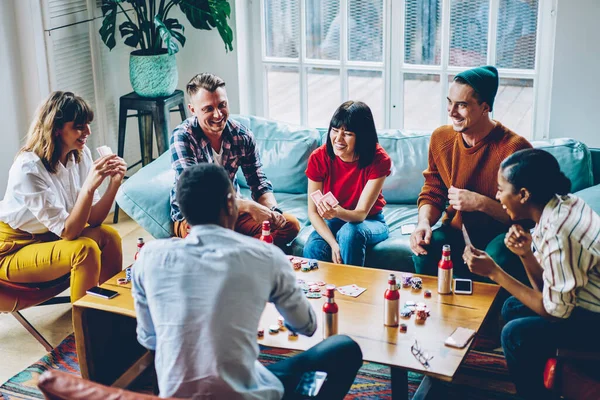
[95, 256]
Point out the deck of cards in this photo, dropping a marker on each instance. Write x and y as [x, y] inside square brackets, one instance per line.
[351, 290]
[328, 198]
[104, 151]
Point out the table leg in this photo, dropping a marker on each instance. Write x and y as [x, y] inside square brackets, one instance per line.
[399, 383]
[106, 344]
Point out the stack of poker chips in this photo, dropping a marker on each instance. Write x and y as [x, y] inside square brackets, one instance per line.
[417, 283]
[261, 333]
[406, 280]
[422, 313]
[313, 264]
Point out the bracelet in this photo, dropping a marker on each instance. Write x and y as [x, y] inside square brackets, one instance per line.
[274, 208]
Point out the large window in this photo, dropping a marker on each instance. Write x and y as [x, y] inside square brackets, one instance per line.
[398, 56]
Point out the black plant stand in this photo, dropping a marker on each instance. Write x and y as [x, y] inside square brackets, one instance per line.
[150, 111]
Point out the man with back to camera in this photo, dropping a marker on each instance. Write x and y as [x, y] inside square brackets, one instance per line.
[464, 158]
[210, 136]
[200, 311]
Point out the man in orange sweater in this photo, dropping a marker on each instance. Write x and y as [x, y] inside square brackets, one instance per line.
[460, 179]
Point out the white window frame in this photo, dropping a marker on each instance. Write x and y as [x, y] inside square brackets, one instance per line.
[254, 91]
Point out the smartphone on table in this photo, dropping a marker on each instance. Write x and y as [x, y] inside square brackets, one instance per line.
[463, 286]
[310, 383]
[460, 337]
[101, 292]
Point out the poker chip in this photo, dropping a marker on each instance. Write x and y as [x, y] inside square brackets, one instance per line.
[422, 313]
[305, 268]
[409, 303]
[406, 280]
[403, 328]
[122, 281]
[304, 288]
[273, 328]
[261, 333]
[280, 321]
[313, 295]
[427, 293]
[417, 283]
[313, 264]
[292, 334]
[406, 312]
[311, 283]
[321, 283]
[314, 289]
[304, 261]
[297, 265]
[421, 304]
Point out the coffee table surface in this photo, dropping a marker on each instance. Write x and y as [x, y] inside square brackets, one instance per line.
[362, 317]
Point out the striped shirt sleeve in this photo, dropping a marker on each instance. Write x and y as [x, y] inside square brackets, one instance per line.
[569, 258]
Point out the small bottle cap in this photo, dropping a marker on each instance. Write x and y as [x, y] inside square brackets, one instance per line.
[140, 240]
[446, 247]
[330, 291]
[266, 226]
[392, 279]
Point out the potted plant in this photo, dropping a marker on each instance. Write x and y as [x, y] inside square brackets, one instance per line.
[148, 28]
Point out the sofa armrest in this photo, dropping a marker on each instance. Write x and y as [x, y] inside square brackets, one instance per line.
[56, 385]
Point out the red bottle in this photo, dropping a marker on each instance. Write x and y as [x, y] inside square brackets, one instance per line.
[391, 313]
[266, 232]
[445, 269]
[330, 314]
[140, 244]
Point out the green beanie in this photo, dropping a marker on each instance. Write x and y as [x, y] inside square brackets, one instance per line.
[484, 80]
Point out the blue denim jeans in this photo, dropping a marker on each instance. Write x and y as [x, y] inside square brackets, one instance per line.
[352, 237]
[528, 340]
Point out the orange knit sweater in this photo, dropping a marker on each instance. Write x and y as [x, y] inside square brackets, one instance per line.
[452, 163]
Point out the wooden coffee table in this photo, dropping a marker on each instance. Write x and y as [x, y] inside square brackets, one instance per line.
[109, 353]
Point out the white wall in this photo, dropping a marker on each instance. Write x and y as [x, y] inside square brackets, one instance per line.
[12, 115]
[576, 80]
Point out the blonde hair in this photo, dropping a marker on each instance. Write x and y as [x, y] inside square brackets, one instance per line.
[58, 109]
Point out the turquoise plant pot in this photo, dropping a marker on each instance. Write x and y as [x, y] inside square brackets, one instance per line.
[153, 75]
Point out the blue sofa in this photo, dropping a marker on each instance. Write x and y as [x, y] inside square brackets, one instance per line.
[284, 152]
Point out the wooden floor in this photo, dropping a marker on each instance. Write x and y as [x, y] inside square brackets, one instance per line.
[18, 349]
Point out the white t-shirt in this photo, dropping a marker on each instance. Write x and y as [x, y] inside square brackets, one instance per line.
[37, 201]
[218, 157]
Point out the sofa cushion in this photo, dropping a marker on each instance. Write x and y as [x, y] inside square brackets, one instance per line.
[284, 150]
[591, 196]
[145, 197]
[574, 159]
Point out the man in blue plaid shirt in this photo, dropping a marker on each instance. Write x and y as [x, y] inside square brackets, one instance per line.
[209, 136]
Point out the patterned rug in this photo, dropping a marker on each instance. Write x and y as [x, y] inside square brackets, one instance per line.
[483, 375]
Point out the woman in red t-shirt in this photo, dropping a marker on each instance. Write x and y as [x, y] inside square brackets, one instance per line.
[352, 166]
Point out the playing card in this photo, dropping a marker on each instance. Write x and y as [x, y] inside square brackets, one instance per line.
[330, 199]
[466, 236]
[351, 290]
[104, 151]
[316, 196]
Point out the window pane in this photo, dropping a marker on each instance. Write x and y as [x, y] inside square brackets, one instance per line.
[422, 32]
[468, 32]
[323, 29]
[323, 95]
[367, 86]
[365, 30]
[513, 106]
[517, 31]
[283, 84]
[282, 30]
[421, 101]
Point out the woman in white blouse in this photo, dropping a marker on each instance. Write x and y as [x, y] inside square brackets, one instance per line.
[51, 216]
[562, 306]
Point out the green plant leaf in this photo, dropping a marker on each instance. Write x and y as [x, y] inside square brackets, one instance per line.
[109, 23]
[166, 34]
[132, 32]
[208, 14]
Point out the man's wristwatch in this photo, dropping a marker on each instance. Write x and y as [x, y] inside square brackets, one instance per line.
[274, 208]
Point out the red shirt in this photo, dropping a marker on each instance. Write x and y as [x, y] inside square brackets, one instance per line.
[345, 180]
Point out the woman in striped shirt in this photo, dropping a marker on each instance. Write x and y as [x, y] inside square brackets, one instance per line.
[563, 265]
